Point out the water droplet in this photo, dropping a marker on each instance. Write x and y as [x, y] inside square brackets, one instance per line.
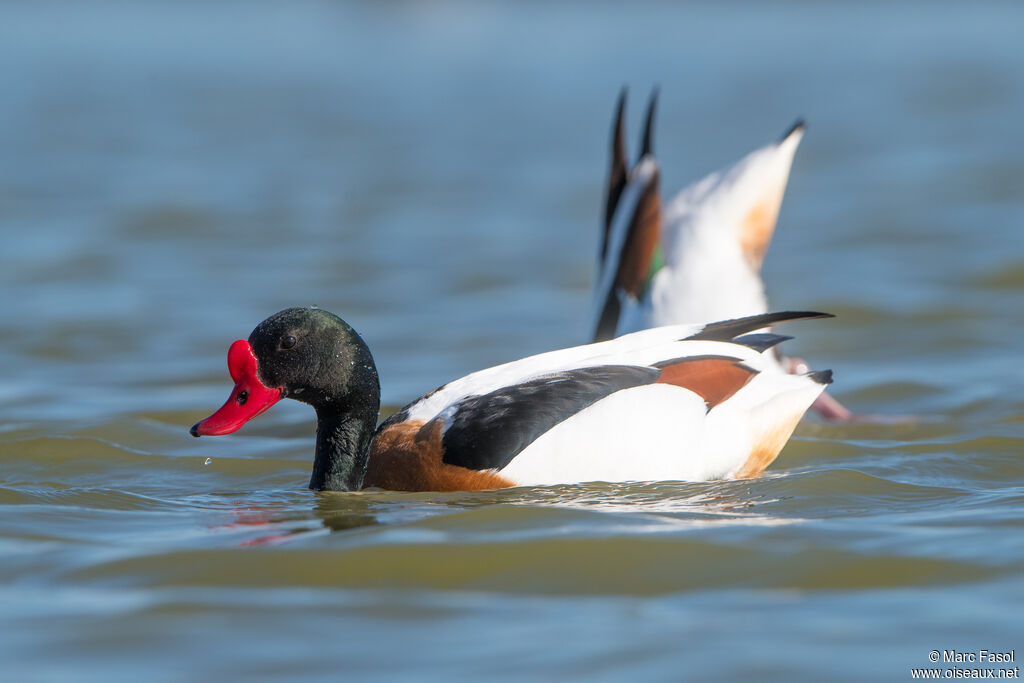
[208, 461]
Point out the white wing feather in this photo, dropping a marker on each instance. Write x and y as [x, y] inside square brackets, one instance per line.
[706, 274]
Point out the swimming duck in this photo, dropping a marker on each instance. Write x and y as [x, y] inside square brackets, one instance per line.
[690, 402]
[697, 258]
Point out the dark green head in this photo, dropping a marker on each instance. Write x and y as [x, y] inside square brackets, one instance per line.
[315, 357]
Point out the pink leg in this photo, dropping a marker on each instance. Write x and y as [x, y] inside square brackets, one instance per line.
[831, 409]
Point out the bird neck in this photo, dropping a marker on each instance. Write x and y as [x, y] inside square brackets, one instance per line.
[347, 405]
[346, 419]
[342, 448]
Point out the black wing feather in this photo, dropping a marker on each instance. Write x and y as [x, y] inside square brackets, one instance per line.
[609, 320]
[799, 124]
[761, 341]
[647, 146]
[727, 330]
[617, 171]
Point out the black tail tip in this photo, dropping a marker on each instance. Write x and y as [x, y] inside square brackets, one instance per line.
[798, 125]
[620, 104]
[647, 145]
[820, 376]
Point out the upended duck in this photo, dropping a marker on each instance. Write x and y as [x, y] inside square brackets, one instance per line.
[699, 256]
[684, 402]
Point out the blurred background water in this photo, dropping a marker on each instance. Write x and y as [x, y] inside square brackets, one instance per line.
[172, 173]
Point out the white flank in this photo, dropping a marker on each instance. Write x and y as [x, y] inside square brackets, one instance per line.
[662, 432]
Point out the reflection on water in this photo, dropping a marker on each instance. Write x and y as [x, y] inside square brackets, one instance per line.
[173, 173]
[339, 512]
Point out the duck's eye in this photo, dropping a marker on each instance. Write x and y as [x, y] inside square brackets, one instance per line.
[288, 342]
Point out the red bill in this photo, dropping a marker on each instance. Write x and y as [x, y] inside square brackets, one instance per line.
[249, 398]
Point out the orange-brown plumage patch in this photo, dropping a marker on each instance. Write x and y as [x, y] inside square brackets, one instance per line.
[757, 229]
[641, 242]
[713, 379]
[407, 456]
[767, 446]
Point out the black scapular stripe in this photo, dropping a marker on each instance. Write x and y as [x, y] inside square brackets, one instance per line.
[487, 431]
